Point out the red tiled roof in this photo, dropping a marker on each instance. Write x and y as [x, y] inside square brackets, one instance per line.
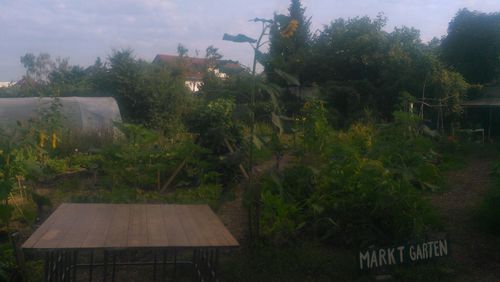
[169, 59]
[196, 66]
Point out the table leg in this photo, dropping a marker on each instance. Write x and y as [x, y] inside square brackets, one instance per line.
[164, 266]
[47, 267]
[154, 266]
[105, 263]
[114, 267]
[75, 261]
[175, 265]
[91, 265]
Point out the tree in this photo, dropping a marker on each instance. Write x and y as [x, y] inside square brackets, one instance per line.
[288, 52]
[359, 66]
[182, 51]
[149, 94]
[38, 67]
[472, 46]
[212, 56]
[347, 62]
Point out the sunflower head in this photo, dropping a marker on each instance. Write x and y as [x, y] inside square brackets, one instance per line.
[290, 29]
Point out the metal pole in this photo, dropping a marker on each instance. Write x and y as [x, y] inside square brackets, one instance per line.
[489, 126]
[91, 265]
[75, 261]
[154, 266]
[105, 270]
[163, 268]
[175, 265]
[114, 267]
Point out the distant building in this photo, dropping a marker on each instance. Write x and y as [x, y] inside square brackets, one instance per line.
[196, 68]
[6, 84]
[483, 112]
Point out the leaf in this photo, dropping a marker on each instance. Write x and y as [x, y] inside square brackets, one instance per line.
[262, 58]
[317, 208]
[281, 18]
[261, 20]
[238, 38]
[257, 142]
[300, 226]
[5, 212]
[277, 121]
[290, 79]
[5, 188]
[430, 186]
[274, 92]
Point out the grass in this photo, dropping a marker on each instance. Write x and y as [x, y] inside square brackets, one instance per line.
[314, 261]
[487, 213]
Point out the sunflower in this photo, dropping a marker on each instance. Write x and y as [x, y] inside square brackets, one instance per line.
[54, 141]
[41, 139]
[290, 29]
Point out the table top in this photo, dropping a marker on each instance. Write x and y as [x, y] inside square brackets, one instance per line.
[95, 226]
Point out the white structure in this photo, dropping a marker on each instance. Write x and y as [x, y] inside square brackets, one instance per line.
[79, 113]
[196, 68]
[6, 84]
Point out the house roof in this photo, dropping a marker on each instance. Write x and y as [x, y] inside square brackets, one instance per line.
[196, 66]
[490, 98]
[482, 102]
[170, 59]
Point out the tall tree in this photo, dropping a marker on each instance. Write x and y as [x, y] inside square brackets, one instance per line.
[212, 56]
[149, 94]
[288, 50]
[472, 46]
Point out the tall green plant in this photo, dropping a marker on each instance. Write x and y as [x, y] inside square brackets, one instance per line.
[258, 57]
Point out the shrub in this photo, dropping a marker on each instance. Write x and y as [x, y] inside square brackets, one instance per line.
[141, 158]
[361, 187]
[205, 194]
[488, 213]
[279, 218]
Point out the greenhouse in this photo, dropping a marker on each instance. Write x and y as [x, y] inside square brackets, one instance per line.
[78, 113]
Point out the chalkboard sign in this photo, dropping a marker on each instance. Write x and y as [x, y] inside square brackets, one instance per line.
[405, 253]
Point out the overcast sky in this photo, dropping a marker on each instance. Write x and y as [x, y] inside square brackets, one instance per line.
[85, 29]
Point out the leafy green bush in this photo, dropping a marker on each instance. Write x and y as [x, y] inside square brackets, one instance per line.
[488, 213]
[360, 186]
[362, 202]
[215, 130]
[409, 155]
[205, 194]
[142, 157]
[279, 218]
[8, 268]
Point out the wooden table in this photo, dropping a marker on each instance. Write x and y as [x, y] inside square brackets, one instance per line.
[73, 228]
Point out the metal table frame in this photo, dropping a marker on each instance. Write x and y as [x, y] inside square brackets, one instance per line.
[62, 265]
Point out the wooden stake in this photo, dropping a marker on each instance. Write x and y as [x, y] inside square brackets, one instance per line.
[173, 176]
[231, 149]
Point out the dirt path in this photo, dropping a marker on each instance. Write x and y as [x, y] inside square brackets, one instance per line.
[473, 251]
[233, 214]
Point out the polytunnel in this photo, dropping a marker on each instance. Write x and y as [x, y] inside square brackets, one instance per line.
[79, 113]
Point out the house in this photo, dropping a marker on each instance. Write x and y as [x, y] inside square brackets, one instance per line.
[484, 112]
[196, 68]
[6, 84]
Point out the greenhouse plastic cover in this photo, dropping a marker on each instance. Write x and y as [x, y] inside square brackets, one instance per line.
[79, 113]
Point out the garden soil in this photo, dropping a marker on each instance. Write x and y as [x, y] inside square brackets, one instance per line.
[474, 253]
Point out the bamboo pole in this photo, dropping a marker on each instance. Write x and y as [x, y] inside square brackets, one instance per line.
[173, 176]
[231, 150]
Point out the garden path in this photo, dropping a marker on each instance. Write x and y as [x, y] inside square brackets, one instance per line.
[233, 214]
[472, 250]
